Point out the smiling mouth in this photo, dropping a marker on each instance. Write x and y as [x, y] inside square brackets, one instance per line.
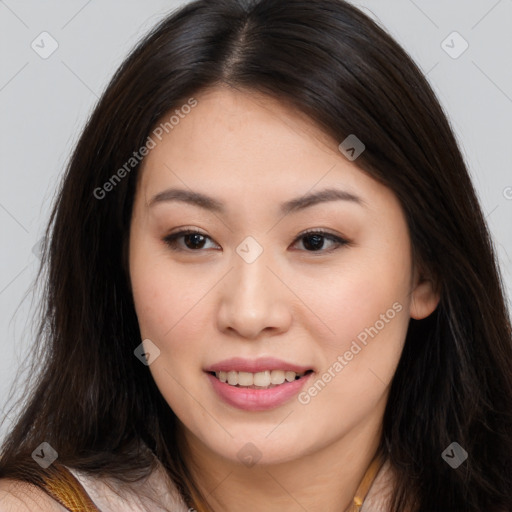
[261, 380]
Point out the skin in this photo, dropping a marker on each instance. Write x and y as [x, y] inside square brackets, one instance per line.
[201, 306]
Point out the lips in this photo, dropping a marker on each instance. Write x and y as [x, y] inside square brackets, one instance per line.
[238, 364]
[257, 385]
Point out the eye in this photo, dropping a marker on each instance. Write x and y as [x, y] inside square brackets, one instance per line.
[194, 240]
[313, 241]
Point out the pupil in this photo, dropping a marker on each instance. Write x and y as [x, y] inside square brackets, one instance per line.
[317, 242]
[196, 240]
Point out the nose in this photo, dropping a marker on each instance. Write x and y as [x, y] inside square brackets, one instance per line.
[253, 299]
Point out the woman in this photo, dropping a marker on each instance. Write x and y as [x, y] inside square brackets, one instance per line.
[270, 285]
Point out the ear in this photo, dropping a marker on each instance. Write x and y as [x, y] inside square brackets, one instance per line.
[425, 296]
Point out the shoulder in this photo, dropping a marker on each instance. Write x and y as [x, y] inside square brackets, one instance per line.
[18, 496]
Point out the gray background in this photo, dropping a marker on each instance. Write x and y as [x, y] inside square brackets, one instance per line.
[44, 104]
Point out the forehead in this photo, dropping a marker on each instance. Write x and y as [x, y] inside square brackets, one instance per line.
[237, 143]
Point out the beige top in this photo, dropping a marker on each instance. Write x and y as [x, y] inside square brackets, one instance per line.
[153, 493]
[377, 499]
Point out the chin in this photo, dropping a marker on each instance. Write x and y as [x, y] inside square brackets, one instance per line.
[250, 448]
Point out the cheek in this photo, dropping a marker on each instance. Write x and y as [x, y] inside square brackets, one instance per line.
[369, 322]
[361, 292]
[365, 308]
[169, 311]
[165, 309]
[170, 303]
[367, 329]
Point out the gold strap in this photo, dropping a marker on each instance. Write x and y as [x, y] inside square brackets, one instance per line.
[62, 486]
[366, 483]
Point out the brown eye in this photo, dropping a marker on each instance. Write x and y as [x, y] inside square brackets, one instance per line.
[193, 240]
[314, 241]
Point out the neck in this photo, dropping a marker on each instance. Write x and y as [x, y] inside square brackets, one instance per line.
[326, 479]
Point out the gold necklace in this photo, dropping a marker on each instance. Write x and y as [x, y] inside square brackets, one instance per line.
[366, 483]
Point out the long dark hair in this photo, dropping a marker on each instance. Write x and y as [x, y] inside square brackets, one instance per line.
[99, 407]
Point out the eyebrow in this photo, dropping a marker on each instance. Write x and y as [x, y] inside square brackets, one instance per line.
[293, 205]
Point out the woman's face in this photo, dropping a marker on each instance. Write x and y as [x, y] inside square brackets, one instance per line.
[254, 298]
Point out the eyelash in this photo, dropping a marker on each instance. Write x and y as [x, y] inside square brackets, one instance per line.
[172, 239]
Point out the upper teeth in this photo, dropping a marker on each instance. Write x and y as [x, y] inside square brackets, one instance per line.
[261, 379]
